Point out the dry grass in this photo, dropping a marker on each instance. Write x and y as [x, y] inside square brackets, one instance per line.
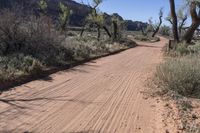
[181, 75]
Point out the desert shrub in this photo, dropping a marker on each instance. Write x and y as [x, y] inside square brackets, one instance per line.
[34, 36]
[127, 42]
[182, 49]
[30, 44]
[12, 35]
[90, 47]
[165, 30]
[147, 38]
[155, 39]
[85, 48]
[181, 75]
[141, 38]
[194, 49]
[16, 65]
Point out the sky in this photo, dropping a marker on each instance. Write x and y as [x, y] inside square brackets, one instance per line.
[136, 10]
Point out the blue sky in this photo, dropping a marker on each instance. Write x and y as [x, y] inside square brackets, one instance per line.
[140, 10]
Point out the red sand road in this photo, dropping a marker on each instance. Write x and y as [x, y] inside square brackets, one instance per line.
[102, 96]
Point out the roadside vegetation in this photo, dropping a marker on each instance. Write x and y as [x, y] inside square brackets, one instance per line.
[179, 74]
[178, 79]
[33, 43]
[180, 71]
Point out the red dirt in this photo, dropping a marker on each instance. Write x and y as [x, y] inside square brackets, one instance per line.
[102, 96]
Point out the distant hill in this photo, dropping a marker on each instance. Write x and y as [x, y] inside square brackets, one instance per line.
[135, 25]
[80, 11]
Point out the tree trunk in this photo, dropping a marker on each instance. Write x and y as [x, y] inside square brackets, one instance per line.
[157, 29]
[155, 32]
[82, 31]
[143, 32]
[160, 23]
[115, 30]
[195, 22]
[190, 32]
[99, 32]
[107, 31]
[174, 20]
[180, 31]
[181, 26]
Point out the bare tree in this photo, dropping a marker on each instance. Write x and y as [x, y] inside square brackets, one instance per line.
[194, 6]
[169, 19]
[182, 17]
[195, 15]
[160, 23]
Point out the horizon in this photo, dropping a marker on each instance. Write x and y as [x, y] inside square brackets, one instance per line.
[134, 11]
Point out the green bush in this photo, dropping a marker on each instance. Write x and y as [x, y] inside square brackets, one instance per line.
[181, 75]
[32, 36]
[17, 65]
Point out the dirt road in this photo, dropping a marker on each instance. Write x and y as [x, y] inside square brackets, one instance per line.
[102, 96]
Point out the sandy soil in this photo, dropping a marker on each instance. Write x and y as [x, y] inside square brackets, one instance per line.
[102, 96]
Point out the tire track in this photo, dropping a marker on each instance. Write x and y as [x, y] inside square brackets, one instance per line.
[102, 96]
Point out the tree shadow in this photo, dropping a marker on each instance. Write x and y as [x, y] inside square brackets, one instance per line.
[47, 79]
[19, 103]
[14, 102]
[8, 85]
[17, 108]
[18, 131]
[150, 46]
[87, 131]
[46, 75]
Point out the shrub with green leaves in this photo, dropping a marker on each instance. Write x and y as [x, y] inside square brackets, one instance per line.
[16, 65]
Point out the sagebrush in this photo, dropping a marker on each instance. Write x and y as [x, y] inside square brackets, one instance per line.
[181, 75]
